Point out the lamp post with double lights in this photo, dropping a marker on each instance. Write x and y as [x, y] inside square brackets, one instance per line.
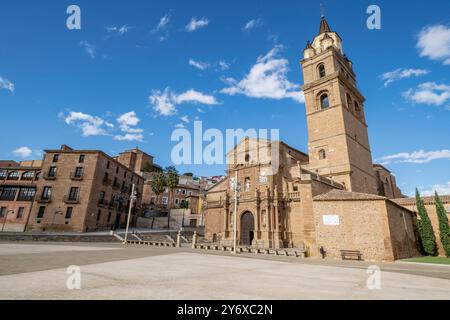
[133, 198]
[236, 187]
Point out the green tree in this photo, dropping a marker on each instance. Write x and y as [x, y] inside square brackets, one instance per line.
[425, 228]
[158, 184]
[444, 228]
[172, 178]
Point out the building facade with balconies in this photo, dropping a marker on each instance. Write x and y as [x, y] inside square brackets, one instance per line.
[18, 183]
[83, 190]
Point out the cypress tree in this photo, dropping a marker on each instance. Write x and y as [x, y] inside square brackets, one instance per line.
[444, 228]
[425, 228]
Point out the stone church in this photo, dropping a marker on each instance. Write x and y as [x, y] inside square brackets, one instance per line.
[334, 197]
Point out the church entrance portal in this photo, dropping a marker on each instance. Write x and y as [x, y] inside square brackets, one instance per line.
[247, 229]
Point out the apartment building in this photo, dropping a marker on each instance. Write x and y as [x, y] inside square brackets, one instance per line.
[18, 182]
[83, 190]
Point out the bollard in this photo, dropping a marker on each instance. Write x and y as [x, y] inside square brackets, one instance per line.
[179, 239]
[194, 240]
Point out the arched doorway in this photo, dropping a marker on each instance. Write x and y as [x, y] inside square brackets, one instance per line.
[247, 229]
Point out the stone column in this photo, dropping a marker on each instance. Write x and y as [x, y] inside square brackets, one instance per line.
[179, 239]
[194, 240]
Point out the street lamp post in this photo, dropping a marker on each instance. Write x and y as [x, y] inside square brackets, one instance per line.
[133, 197]
[236, 186]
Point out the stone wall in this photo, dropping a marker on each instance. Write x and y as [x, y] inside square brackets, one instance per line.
[410, 204]
[374, 227]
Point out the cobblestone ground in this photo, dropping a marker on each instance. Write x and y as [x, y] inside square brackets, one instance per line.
[110, 271]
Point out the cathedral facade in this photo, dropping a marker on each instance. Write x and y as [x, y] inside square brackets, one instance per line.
[333, 197]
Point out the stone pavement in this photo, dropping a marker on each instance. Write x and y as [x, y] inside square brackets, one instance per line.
[110, 271]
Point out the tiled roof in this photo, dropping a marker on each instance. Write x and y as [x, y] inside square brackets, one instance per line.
[340, 195]
[426, 200]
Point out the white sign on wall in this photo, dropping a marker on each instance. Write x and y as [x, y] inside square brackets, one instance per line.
[331, 220]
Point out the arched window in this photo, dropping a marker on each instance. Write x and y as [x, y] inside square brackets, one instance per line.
[14, 175]
[28, 175]
[2, 174]
[324, 101]
[322, 154]
[321, 70]
[357, 107]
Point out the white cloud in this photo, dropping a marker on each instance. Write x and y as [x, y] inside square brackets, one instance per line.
[417, 157]
[267, 79]
[120, 31]
[22, 152]
[127, 124]
[96, 126]
[165, 102]
[6, 84]
[400, 73]
[129, 137]
[89, 125]
[192, 96]
[223, 65]
[252, 24]
[198, 64]
[196, 24]
[162, 28]
[441, 189]
[434, 43]
[88, 48]
[429, 93]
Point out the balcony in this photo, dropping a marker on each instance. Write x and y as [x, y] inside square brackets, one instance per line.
[76, 177]
[44, 200]
[49, 176]
[71, 200]
[294, 195]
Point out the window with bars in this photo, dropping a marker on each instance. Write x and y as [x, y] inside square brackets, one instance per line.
[73, 194]
[41, 212]
[26, 194]
[78, 172]
[52, 172]
[8, 194]
[46, 193]
[69, 213]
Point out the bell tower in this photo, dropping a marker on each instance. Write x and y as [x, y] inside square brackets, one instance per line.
[338, 138]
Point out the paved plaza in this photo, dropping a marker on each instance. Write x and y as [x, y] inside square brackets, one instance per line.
[112, 271]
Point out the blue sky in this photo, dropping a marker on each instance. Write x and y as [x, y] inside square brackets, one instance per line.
[138, 69]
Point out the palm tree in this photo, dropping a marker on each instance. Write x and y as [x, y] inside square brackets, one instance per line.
[172, 180]
[158, 184]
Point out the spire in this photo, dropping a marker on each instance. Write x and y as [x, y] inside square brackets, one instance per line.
[308, 45]
[324, 26]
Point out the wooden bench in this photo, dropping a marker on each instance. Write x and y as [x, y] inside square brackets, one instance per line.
[351, 255]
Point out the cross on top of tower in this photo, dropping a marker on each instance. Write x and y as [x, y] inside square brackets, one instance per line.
[322, 10]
